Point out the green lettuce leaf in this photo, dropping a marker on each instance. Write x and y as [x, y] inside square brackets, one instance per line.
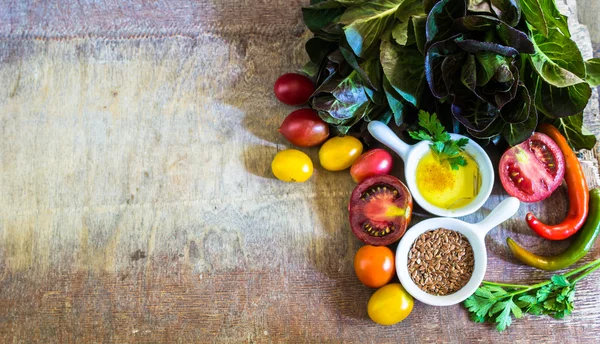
[561, 101]
[543, 15]
[488, 65]
[519, 109]
[440, 20]
[592, 69]
[353, 62]
[342, 98]
[403, 66]
[372, 69]
[475, 114]
[573, 130]
[557, 59]
[436, 54]
[509, 11]
[400, 32]
[520, 116]
[321, 14]
[317, 49]
[365, 23]
[480, 6]
[507, 35]
[395, 102]
[419, 23]
[468, 75]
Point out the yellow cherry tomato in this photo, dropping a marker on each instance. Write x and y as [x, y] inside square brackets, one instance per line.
[339, 153]
[390, 304]
[292, 165]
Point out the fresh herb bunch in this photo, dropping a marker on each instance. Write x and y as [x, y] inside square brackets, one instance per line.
[498, 302]
[490, 69]
[442, 145]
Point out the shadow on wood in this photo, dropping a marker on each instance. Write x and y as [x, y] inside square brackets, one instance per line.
[257, 160]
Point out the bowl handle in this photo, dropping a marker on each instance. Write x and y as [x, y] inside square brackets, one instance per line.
[385, 135]
[503, 212]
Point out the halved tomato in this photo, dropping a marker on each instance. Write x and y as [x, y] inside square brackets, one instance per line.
[380, 210]
[532, 170]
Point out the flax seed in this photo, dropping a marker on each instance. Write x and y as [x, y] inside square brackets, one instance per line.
[441, 261]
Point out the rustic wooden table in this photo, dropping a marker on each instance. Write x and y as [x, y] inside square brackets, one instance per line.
[137, 203]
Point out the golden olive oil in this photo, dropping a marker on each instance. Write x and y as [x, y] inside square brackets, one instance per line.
[444, 187]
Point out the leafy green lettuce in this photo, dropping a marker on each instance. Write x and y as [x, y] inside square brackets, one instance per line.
[490, 68]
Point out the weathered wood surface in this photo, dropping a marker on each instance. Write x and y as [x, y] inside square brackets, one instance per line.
[137, 204]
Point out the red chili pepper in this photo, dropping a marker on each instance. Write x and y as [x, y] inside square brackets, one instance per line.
[577, 189]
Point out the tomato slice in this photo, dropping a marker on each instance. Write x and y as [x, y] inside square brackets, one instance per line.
[380, 210]
[532, 170]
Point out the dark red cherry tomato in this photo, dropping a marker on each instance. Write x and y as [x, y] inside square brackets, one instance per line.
[293, 89]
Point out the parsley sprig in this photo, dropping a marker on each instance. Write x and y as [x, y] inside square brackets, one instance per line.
[499, 302]
[442, 145]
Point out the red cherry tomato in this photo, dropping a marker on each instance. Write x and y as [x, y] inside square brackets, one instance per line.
[304, 128]
[293, 89]
[374, 265]
[374, 162]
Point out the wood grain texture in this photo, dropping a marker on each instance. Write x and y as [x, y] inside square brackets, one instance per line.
[137, 203]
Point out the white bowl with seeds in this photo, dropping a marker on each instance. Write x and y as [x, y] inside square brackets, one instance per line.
[442, 261]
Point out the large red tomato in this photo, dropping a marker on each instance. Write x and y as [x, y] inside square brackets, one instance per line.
[532, 170]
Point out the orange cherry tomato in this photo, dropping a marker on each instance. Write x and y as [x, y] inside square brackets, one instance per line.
[374, 265]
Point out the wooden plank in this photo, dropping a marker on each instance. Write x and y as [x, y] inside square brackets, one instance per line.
[137, 204]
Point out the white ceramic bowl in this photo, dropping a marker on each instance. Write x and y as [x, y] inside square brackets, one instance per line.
[411, 156]
[475, 233]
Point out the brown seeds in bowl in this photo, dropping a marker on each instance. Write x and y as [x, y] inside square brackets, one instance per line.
[441, 261]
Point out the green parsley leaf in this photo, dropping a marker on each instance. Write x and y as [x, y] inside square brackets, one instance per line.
[528, 299]
[495, 302]
[462, 142]
[479, 306]
[571, 295]
[476, 318]
[542, 294]
[457, 161]
[560, 281]
[550, 304]
[442, 144]
[504, 319]
[497, 291]
[498, 307]
[432, 124]
[484, 292]
[420, 135]
[516, 311]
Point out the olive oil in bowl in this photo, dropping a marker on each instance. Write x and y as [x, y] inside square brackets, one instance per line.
[444, 187]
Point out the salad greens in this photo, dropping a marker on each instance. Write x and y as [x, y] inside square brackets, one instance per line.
[490, 69]
[442, 144]
[497, 303]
